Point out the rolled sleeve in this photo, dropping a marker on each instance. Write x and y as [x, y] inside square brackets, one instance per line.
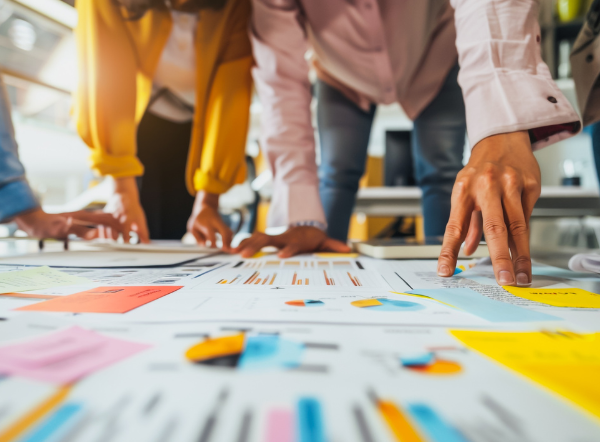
[506, 85]
[16, 197]
[117, 166]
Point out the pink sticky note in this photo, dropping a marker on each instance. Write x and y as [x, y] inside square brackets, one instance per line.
[280, 426]
[64, 356]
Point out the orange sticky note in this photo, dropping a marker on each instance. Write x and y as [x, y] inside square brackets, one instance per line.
[103, 300]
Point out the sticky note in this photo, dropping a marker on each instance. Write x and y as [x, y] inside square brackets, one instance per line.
[37, 278]
[568, 364]
[64, 356]
[103, 300]
[366, 303]
[489, 309]
[557, 297]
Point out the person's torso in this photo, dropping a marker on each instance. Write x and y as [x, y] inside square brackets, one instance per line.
[376, 47]
[174, 82]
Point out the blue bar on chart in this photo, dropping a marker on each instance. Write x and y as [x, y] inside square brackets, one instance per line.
[433, 425]
[310, 421]
[58, 425]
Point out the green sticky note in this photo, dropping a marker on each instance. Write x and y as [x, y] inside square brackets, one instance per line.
[36, 278]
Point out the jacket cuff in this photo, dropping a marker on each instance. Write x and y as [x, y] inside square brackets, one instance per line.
[296, 205]
[516, 101]
[16, 197]
[208, 183]
[116, 166]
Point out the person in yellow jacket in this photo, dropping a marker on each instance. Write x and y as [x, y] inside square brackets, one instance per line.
[163, 102]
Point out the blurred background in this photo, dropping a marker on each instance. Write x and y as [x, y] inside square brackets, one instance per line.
[38, 62]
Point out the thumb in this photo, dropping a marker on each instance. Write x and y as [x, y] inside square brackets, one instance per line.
[333, 245]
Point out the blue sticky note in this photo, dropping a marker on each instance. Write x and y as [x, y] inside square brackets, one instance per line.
[268, 352]
[433, 425]
[477, 304]
[310, 421]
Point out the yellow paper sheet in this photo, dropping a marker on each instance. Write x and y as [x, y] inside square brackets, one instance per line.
[36, 278]
[565, 363]
[558, 297]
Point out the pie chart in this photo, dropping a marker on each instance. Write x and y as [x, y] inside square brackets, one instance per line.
[387, 305]
[429, 363]
[305, 303]
[243, 352]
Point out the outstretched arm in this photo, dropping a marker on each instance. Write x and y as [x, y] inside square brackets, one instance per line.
[513, 107]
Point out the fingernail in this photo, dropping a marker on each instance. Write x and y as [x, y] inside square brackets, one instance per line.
[505, 278]
[523, 279]
[444, 270]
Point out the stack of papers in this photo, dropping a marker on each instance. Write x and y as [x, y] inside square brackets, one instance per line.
[120, 345]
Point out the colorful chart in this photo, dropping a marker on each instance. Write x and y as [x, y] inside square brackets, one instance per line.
[247, 352]
[387, 305]
[305, 303]
[429, 363]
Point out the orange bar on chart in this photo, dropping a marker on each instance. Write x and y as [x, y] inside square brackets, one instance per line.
[257, 281]
[351, 278]
[397, 422]
[326, 278]
[249, 280]
[306, 281]
[294, 279]
[273, 279]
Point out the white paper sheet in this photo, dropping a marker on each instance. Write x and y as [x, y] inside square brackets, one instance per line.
[102, 259]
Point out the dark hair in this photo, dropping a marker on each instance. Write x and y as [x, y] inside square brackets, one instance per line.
[135, 9]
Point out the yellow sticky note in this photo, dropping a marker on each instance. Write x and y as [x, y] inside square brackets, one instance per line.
[336, 255]
[366, 303]
[557, 297]
[567, 364]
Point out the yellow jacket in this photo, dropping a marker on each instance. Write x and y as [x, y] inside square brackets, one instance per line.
[117, 61]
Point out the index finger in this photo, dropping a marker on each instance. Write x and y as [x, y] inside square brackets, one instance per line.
[496, 237]
[456, 229]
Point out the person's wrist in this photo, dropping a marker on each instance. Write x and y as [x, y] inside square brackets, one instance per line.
[126, 186]
[206, 199]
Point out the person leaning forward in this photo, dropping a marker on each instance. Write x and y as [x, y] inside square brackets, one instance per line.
[164, 96]
[386, 51]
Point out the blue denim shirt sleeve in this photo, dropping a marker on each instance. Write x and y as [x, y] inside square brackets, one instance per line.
[15, 194]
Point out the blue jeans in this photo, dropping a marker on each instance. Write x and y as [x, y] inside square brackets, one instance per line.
[438, 140]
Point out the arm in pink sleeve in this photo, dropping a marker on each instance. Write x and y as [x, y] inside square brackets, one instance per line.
[506, 85]
[287, 136]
